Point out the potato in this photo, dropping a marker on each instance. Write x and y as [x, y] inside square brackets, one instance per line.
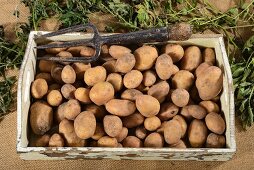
[132, 79]
[154, 140]
[174, 69]
[54, 87]
[185, 113]
[142, 88]
[209, 56]
[75, 51]
[125, 63]
[116, 80]
[54, 50]
[172, 132]
[152, 123]
[210, 106]
[54, 98]
[68, 91]
[45, 65]
[180, 97]
[98, 111]
[107, 141]
[215, 141]
[196, 111]
[159, 90]
[80, 69]
[197, 133]
[112, 125]
[39, 88]
[59, 114]
[50, 24]
[132, 142]
[163, 66]
[85, 125]
[149, 78]
[110, 66]
[201, 68]
[95, 75]
[68, 74]
[182, 122]
[120, 107]
[162, 127]
[167, 111]
[41, 117]
[209, 83]
[175, 51]
[39, 141]
[215, 123]
[119, 145]
[105, 52]
[133, 120]
[66, 129]
[194, 94]
[56, 72]
[191, 59]
[183, 80]
[117, 51]
[64, 55]
[141, 132]
[87, 52]
[45, 76]
[130, 94]
[147, 105]
[72, 109]
[179, 145]
[82, 95]
[122, 135]
[101, 93]
[56, 140]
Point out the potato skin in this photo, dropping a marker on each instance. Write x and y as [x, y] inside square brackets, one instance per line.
[183, 80]
[154, 140]
[215, 123]
[132, 79]
[59, 114]
[72, 109]
[110, 66]
[68, 74]
[56, 72]
[120, 107]
[183, 124]
[95, 75]
[56, 140]
[125, 63]
[107, 141]
[82, 95]
[196, 111]
[116, 80]
[54, 50]
[185, 113]
[179, 145]
[175, 51]
[152, 123]
[141, 132]
[117, 51]
[68, 91]
[122, 135]
[41, 117]
[130, 94]
[80, 69]
[75, 51]
[197, 133]
[163, 66]
[99, 131]
[210, 106]
[167, 111]
[147, 105]
[149, 78]
[112, 125]
[39, 88]
[64, 54]
[215, 141]
[54, 98]
[45, 76]
[191, 59]
[159, 90]
[180, 97]
[98, 111]
[132, 142]
[39, 141]
[209, 56]
[45, 66]
[201, 68]
[87, 52]
[133, 120]
[172, 132]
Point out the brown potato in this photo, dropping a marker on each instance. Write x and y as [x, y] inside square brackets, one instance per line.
[201, 68]
[72, 109]
[95, 75]
[133, 120]
[175, 51]
[75, 51]
[172, 132]
[194, 94]
[116, 80]
[56, 72]
[98, 111]
[112, 125]
[197, 133]
[54, 98]
[130, 94]
[209, 83]
[154, 140]
[41, 117]
[215, 123]
[68, 91]
[183, 80]
[64, 55]
[145, 57]
[82, 95]
[87, 52]
[45, 76]
[162, 127]
[54, 87]
[191, 59]
[85, 125]
[54, 50]
[210, 106]
[110, 66]
[56, 140]
[59, 114]
[215, 141]
[174, 69]
[80, 69]
[179, 145]
[147, 105]
[68, 74]
[167, 111]
[39, 141]
[149, 78]
[196, 111]
[39, 88]
[120, 107]
[132, 142]
[183, 124]
[122, 135]
[152, 123]
[101, 93]
[159, 90]
[142, 88]
[105, 52]
[163, 66]
[45, 65]
[119, 145]
[141, 132]
[132, 79]
[125, 63]
[180, 97]
[185, 113]
[107, 141]
[117, 51]
[209, 56]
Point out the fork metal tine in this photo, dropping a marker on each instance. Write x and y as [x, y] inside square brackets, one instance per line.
[66, 44]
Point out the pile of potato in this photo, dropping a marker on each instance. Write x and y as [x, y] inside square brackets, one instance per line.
[163, 96]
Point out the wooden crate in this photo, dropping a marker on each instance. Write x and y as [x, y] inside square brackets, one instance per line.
[27, 73]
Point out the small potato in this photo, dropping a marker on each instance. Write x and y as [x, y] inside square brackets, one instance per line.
[54, 50]
[196, 111]
[162, 127]
[41, 117]
[59, 114]
[101, 93]
[112, 125]
[132, 79]
[56, 72]
[95, 75]
[133, 120]
[201, 68]
[64, 55]
[125, 63]
[183, 123]
[149, 78]
[175, 51]
[154, 140]
[68, 74]
[80, 69]
[210, 106]
[132, 142]
[105, 52]
[72, 109]
[56, 140]
[180, 97]
[191, 59]
[183, 80]
[130, 94]
[39, 141]
[122, 135]
[209, 56]
[117, 51]
[174, 69]
[185, 113]
[82, 95]
[179, 145]
[197, 133]
[215, 141]
[110, 66]
[172, 132]
[75, 51]
[120, 107]
[215, 123]
[167, 111]
[68, 91]
[141, 132]
[107, 141]
[98, 111]
[87, 52]
[85, 125]
[54, 98]
[45, 76]
[159, 90]
[116, 80]
[163, 66]
[39, 88]
[119, 145]
[99, 132]
[152, 123]
[147, 105]
[145, 57]
[45, 65]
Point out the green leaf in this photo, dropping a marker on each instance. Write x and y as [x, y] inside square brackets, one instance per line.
[243, 105]
[238, 72]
